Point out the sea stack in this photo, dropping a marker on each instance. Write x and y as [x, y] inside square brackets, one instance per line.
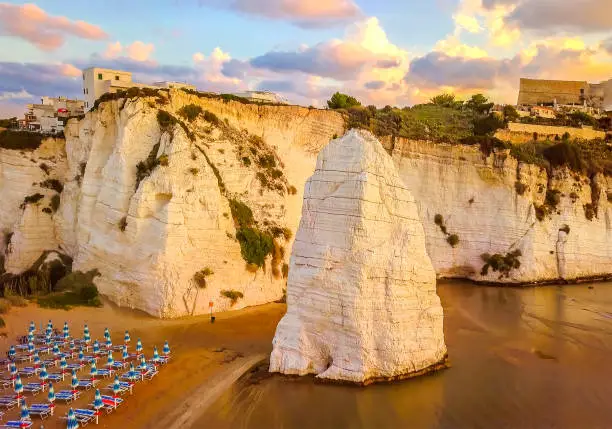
[361, 293]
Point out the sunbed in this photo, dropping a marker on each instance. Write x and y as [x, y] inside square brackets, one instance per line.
[84, 415]
[119, 364]
[6, 383]
[75, 366]
[33, 388]
[50, 362]
[123, 387]
[55, 377]
[85, 384]
[17, 424]
[88, 359]
[40, 410]
[66, 396]
[8, 402]
[102, 372]
[27, 371]
[150, 373]
[23, 358]
[111, 400]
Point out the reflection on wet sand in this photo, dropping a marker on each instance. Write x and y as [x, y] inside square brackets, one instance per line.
[521, 358]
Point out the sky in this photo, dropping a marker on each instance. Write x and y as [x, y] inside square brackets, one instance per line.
[384, 52]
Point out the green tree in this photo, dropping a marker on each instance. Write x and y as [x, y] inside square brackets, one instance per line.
[487, 125]
[8, 123]
[446, 100]
[479, 104]
[510, 113]
[342, 101]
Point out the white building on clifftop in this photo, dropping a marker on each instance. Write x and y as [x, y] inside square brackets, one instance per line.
[98, 81]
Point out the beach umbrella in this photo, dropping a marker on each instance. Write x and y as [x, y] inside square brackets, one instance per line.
[48, 341]
[126, 337]
[81, 356]
[86, 336]
[96, 347]
[93, 370]
[97, 404]
[13, 370]
[116, 389]
[30, 337]
[139, 347]
[56, 349]
[31, 348]
[25, 413]
[18, 388]
[132, 374]
[74, 383]
[32, 328]
[125, 354]
[63, 364]
[43, 375]
[12, 352]
[51, 397]
[108, 343]
[49, 329]
[106, 334]
[72, 422]
[155, 355]
[143, 362]
[110, 361]
[36, 360]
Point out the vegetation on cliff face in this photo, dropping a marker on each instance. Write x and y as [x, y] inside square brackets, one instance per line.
[503, 264]
[20, 140]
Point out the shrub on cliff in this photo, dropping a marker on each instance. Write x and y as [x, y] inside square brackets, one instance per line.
[255, 245]
[190, 112]
[241, 213]
[201, 276]
[453, 240]
[520, 187]
[54, 184]
[165, 120]
[75, 289]
[503, 264]
[31, 199]
[20, 140]
[233, 295]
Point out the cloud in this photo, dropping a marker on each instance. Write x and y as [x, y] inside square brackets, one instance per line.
[366, 44]
[607, 45]
[302, 13]
[21, 95]
[437, 69]
[137, 51]
[31, 23]
[582, 16]
[375, 84]
[39, 79]
[491, 4]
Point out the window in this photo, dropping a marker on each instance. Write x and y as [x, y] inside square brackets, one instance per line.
[84, 92]
[99, 76]
[83, 76]
[116, 77]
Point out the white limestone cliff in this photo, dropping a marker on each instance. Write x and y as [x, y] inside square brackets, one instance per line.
[361, 293]
[477, 198]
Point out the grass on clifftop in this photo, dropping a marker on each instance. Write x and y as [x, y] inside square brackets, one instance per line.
[75, 289]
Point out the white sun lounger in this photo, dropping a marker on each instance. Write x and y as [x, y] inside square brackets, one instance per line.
[33, 388]
[8, 402]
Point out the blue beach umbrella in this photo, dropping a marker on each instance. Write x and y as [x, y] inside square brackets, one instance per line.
[93, 370]
[86, 336]
[49, 329]
[139, 347]
[81, 356]
[97, 404]
[18, 387]
[66, 332]
[126, 337]
[72, 420]
[63, 364]
[110, 361]
[30, 337]
[96, 347]
[13, 370]
[36, 360]
[132, 374]
[43, 375]
[108, 343]
[25, 413]
[116, 388]
[48, 340]
[125, 353]
[143, 362]
[56, 349]
[155, 355]
[12, 352]
[32, 328]
[51, 397]
[74, 382]
[106, 334]
[31, 348]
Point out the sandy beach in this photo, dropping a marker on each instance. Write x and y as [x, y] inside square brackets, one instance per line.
[206, 359]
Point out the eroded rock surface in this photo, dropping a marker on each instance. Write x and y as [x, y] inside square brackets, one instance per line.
[361, 294]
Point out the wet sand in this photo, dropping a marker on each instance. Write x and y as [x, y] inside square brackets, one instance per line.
[537, 357]
[202, 355]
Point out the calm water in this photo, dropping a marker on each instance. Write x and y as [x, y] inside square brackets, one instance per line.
[521, 358]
